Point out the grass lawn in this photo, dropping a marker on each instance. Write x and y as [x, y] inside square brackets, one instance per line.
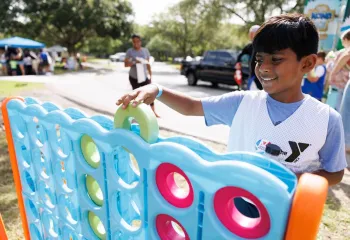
[9, 88]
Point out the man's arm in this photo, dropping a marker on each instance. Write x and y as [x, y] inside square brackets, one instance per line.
[312, 78]
[179, 102]
[127, 61]
[333, 178]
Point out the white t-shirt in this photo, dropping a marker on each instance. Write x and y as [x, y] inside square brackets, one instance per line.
[320, 71]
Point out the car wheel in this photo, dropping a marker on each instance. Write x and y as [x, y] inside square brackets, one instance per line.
[191, 79]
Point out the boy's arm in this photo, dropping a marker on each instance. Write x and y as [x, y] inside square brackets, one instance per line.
[333, 178]
[332, 154]
[179, 102]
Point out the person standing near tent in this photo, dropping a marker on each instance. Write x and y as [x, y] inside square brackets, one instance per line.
[44, 61]
[134, 56]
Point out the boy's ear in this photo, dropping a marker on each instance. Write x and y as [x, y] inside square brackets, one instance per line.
[309, 62]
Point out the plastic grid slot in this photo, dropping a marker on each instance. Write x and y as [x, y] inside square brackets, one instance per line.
[83, 179]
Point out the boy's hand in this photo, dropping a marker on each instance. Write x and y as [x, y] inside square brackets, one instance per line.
[146, 94]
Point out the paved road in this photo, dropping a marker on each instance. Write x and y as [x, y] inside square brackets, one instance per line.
[100, 89]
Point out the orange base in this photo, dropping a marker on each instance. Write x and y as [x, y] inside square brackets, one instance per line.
[14, 166]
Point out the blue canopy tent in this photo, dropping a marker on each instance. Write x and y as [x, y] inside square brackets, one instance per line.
[18, 42]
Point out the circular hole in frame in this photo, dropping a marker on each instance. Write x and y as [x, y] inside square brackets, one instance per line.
[169, 228]
[129, 211]
[50, 225]
[127, 167]
[177, 192]
[90, 151]
[68, 210]
[96, 225]
[241, 212]
[29, 180]
[33, 209]
[35, 232]
[94, 190]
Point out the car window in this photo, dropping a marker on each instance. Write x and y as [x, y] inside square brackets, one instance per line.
[225, 57]
[210, 56]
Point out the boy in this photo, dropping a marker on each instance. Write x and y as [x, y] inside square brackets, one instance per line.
[305, 135]
[314, 83]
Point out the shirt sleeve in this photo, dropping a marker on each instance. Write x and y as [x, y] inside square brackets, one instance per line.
[320, 71]
[128, 54]
[221, 109]
[332, 154]
[147, 53]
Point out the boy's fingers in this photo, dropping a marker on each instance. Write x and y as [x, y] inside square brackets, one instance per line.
[148, 100]
[140, 98]
[128, 98]
[121, 99]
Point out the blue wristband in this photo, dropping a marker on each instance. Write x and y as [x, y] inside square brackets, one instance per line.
[160, 91]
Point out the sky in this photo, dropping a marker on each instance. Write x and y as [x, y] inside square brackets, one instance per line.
[144, 10]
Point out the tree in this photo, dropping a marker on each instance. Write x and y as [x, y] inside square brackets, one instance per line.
[254, 11]
[9, 11]
[192, 29]
[185, 26]
[160, 48]
[71, 22]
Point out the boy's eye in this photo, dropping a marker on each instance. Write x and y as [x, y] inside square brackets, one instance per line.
[276, 60]
[259, 61]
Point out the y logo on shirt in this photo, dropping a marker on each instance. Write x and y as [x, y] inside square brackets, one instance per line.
[265, 146]
[297, 149]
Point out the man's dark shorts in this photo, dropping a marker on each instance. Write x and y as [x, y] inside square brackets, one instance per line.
[135, 84]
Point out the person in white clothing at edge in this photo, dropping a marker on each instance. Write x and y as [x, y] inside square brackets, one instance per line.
[295, 129]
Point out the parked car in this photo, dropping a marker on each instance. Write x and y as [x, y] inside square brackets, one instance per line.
[216, 67]
[118, 57]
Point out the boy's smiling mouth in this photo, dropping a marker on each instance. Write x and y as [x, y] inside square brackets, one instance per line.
[267, 78]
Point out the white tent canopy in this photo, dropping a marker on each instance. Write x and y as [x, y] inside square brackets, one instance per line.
[57, 48]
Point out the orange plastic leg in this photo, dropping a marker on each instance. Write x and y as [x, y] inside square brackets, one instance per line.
[3, 235]
[14, 165]
[307, 208]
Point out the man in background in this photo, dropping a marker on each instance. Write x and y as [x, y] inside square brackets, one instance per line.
[248, 51]
[136, 55]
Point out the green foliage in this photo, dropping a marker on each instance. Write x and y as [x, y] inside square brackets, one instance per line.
[71, 22]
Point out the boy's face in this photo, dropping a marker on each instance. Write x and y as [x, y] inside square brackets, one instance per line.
[281, 73]
[319, 61]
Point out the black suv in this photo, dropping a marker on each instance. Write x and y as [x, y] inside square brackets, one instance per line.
[216, 67]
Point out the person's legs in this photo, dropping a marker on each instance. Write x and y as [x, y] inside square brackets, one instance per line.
[21, 66]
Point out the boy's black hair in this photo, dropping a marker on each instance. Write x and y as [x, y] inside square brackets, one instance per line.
[294, 31]
[135, 36]
[347, 36]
